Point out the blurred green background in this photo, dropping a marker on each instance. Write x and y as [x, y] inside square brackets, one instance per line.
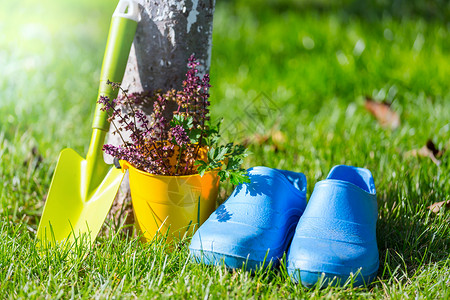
[302, 54]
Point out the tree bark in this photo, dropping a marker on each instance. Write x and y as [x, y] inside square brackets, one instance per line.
[168, 33]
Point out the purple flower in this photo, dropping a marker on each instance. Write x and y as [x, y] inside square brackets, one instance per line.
[179, 135]
[152, 140]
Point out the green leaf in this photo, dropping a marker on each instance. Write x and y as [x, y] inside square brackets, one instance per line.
[211, 135]
[239, 150]
[234, 163]
[221, 153]
[182, 121]
[200, 162]
[194, 135]
[202, 169]
[239, 177]
[210, 154]
[223, 175]
[201, 172]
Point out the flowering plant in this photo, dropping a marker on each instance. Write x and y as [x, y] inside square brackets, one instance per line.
[187, 144]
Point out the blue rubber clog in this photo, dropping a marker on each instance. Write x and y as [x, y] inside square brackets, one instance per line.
[256, 223]
[336, 236]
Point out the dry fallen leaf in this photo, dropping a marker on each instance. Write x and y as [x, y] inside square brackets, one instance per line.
[436, 207]
[383, 113]
[274, 137]
[278, 137]
[429, 150]
[33, 157]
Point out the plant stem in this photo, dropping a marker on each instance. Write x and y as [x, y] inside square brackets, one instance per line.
[179, 161]
[118, 131]
[129, 104]
[160, 157]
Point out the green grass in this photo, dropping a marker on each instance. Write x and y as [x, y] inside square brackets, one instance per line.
[300, 61]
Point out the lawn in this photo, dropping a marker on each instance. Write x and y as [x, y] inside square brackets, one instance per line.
[290, 79]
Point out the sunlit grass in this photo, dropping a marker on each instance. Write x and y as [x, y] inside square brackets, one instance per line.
[301, 72]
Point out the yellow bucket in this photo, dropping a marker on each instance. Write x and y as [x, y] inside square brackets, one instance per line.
[171, 204]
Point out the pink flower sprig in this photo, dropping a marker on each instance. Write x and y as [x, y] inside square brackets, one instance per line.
[155, 141]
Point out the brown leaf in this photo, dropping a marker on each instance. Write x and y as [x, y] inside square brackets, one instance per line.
[255, 139]
[436, 207]
[278, 137]
[383, 113]
[274, 137]
[33, 157]
[436, 152]
[429, 150]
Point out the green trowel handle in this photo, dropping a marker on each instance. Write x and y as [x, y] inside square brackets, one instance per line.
[120, 38]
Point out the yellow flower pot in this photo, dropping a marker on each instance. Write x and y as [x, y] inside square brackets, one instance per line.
[171, 204]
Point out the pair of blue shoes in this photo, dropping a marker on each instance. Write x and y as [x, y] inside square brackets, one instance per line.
[328, 240]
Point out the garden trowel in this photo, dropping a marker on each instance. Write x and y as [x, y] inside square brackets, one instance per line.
[83, 190]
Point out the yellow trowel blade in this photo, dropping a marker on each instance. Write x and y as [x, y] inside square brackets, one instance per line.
[69, 211]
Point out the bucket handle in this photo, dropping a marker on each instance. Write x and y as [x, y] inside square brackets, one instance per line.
[124, 165]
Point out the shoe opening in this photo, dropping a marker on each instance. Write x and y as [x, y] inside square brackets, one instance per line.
[358, 176]
[298, 180]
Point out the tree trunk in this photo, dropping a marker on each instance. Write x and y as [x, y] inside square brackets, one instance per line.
[168, 33]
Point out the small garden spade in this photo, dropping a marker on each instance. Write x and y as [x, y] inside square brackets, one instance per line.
[82, 190]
